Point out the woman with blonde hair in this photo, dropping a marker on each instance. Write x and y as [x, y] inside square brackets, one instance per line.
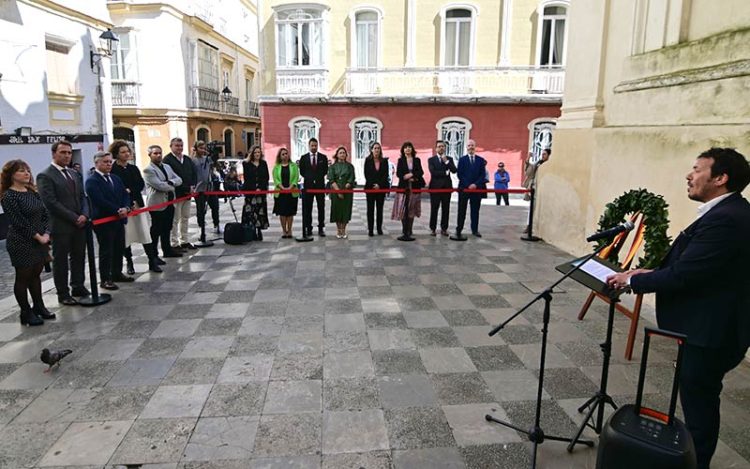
[285, 177]
[341, 176]
[28, 239]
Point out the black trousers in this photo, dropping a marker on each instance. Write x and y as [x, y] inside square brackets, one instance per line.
[375, 203]
[407, 222]
[440, 202]
[68, 251]
[702, 372]
[502, 196]
[200, 204]
[161, 226]
[307, 205]
[476, 201]
[111, 239]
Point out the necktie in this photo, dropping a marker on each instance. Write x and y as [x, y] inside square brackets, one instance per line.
[106, 178]
[313, 160]
[69, 180]
[472, 159]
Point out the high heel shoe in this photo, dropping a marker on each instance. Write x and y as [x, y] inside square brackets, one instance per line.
[28, 318]
[130, 267]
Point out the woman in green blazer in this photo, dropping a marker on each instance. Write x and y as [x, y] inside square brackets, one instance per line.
[341, 176]
[285, 177]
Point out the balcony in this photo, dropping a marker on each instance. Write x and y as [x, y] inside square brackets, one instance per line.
[302, 81]
[125, 93]
[210, 99]
[252, 109]
[468, 82]
[231, 106]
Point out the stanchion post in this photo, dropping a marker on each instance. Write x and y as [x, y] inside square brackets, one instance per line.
[530, 235]
[304, 238]
[96, 298]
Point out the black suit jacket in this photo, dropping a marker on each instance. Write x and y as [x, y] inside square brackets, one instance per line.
[63, 205]
[402, 168]
[373, 176]
[315, 178]
[440, 177]
[106, 199]
[255, 178]
[702, 286]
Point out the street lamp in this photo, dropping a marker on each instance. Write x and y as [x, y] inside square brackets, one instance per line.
[226, 94]
[107, 44]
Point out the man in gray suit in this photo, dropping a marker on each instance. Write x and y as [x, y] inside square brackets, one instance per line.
[62, 192]
[160, 181]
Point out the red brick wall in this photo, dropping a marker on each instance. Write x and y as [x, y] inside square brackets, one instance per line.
[500, 130]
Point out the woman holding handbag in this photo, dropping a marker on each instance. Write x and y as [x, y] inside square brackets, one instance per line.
[285, 177]
[28, 239]
[408, 204]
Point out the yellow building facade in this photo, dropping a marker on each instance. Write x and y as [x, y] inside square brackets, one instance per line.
[649, 86]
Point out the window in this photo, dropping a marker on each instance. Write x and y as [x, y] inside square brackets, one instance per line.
[457, 37]
[59, 78]
[249, 89]
[208, 66]
[454, 131]
[124, 65]
[367, 37]
[302, 130]
[299, 38]
[541, 138]
[365, 132]
[552, 40]
[228, 141]
[202, 134]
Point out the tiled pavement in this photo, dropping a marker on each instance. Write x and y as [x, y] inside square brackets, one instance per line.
[338, 353]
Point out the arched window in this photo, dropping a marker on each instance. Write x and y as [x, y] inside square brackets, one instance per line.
[228, 143]
[299, 37]
[366, 39]
[552, 35]
[365, 132]
[203, 134]
[455, 132]
[458, 37]
[541, 137]
[302, 129]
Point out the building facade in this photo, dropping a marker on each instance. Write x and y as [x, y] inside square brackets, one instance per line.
[185, 69]
[650, 85]
[397, 70]
[53, 80]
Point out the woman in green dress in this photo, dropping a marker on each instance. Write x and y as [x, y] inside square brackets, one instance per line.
[341, 176]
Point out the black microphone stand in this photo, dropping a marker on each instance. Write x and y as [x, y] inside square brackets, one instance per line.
[535, 434]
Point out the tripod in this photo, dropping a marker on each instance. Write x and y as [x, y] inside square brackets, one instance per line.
[535, 434]
[202, 202]
[601, 398]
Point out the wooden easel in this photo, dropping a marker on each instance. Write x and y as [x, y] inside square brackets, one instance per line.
[635, 313]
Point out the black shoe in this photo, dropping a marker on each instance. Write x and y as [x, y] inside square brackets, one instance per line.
[153, 266]
[444, 232]
[172, 254]
[477, 234]
[433, 233]
[321, 232]
[130, 268]
[159, 261]
[81, 291]
[370, 233]
[259, 235]
[67, 301]
[109, 285]
[380, 231]
[188, 246]
[178, 249]
[43, 312]
[122, 279]
[28, 318]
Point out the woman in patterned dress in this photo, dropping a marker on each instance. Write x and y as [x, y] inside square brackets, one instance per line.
[255, 172]
[28, 238]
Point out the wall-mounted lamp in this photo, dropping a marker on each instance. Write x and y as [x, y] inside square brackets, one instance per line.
[107, 44]
[226, 94]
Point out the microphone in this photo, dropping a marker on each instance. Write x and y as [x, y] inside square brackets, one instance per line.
[615, 230]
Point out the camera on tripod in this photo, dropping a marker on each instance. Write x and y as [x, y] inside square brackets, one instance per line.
[214, 149]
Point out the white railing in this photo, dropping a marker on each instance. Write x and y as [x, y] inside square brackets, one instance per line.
[473, 81]
[125, 93]
[301, 81]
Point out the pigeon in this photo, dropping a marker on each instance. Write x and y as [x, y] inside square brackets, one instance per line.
[53, 358]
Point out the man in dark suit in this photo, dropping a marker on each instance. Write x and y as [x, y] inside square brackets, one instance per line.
[313, 167]
[441, 166]
[472, 174]
[108, 198]
[62, 192]
[703, 290]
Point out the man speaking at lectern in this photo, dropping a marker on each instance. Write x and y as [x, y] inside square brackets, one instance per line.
[703, 289]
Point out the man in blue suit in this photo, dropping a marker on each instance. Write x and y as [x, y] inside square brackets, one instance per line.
[108, 197]
[703, 289]
[472, 174]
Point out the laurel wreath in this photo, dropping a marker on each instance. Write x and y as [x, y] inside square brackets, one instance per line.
[655, 216]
